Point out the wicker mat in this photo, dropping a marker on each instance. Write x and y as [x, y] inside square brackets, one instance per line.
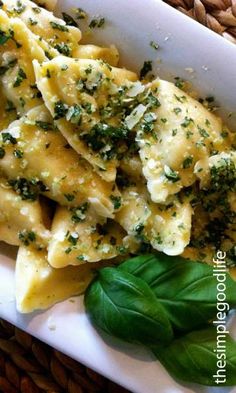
[218, 15]
[30, 366]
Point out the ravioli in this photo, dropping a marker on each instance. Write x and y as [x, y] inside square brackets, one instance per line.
[44, 24]
[166, 228]
[80, 107]
[37, 159]
[16, 56]
[184, 132]
[79, 235]
[110, 54]
[7, 111]
[21, 221]
[39, 286]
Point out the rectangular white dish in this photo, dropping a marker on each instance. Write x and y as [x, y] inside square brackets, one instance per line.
[188, 50]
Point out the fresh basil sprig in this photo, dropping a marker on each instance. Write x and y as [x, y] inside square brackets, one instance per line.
[140, 299]
[192, 358]
[186, 289]
[124, 306]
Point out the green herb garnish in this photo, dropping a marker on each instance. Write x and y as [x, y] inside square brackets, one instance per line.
[147, 67]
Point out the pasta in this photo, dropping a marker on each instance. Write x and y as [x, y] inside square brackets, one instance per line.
[16, 56]
[80, 235]
[69, 182]
[187, 132]
[96, 164]
[166, 228]
[44, 24]
[39, 286]
[28, 227]
[81, 108]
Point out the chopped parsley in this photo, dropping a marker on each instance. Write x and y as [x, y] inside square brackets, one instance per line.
[64, 67]
[27, 189]
[19, 7]
[58, 26]
[224, 134]
[74, 114]
[48, 74]
[72, 238]
[223, 175]
[44, 125]
[104, 138]
[177, 110]
[69, 197]
[32, 22]
[187, 121]
[10, 106]
[27, 237]
[187, 162]
[158, 239]
[174, 132]
[181, 99]
[63, 48]
[147, 67]
[36, 10]
[20, 77]
[97, 23]
[80, 257]
[203, 132]
[80, 13]
[2, 152]
[4, 37]
[22, 101]
[179, 82]
[60, 110]
[5, 68]
[154, 45]
[122, 250]
[8, 138]
[18, 153]
[116, 200]
[170, 174]
[79, 213]
[69, 20]
[122, 179]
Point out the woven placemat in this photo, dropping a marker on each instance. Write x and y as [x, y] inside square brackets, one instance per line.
[218, 15]
[29, 366]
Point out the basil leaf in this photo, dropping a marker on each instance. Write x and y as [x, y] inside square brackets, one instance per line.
[192, 358]
[186, 289]
[125, 307]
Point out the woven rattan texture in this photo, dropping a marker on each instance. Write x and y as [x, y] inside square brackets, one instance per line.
[218, 15]
[29, 366]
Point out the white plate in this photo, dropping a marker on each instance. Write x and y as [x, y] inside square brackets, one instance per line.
[131, 25]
